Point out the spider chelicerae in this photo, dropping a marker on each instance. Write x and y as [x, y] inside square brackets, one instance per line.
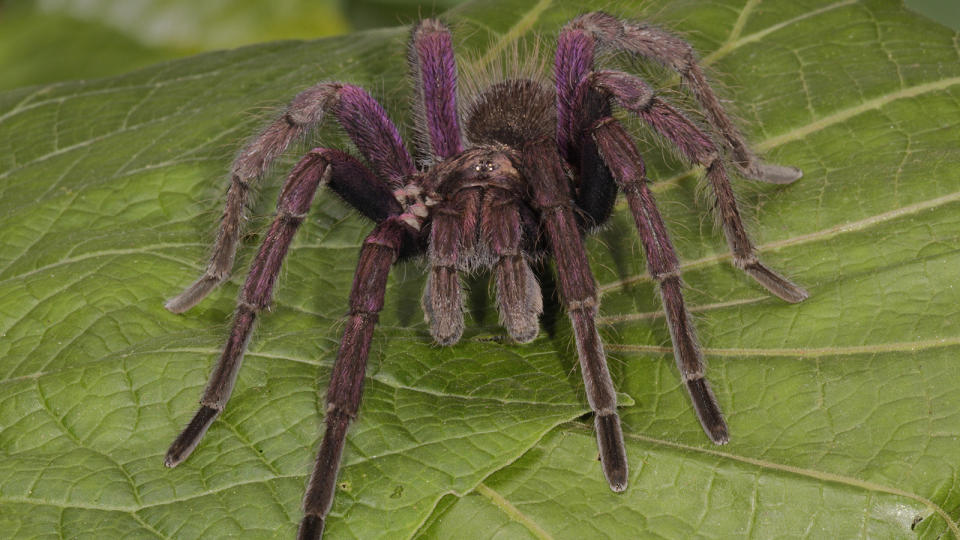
[527, 174]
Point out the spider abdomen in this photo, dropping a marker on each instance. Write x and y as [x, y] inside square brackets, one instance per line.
[512, 112]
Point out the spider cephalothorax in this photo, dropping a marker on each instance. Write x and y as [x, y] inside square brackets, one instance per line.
[531, 171]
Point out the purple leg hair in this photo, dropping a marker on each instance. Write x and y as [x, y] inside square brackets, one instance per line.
[434, 70]
[361, 117]
[636, 96]
[627, 166]
[380, 250]
[652, 42]
[519, 299]
[452, 232]
[364, 119]
[551, 197]
[573, 61]
[578, 107]
[292, 206]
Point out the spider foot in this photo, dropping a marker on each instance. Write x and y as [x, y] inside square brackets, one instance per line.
[708, 411]
[193, 294]
[188, 439]
[775, 283]
[613, 454]
[311, 528]
[767, 172]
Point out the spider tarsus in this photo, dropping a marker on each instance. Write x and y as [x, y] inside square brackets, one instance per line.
[444, 309]
[447, 335]
[193, 294]
[524, 333]
[708, 411]
[311, 528]
[519, 297]
[772, 174]
[613, 455]
[775, 283]
[188, 439]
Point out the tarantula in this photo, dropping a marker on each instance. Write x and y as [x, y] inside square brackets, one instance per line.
[531, 170]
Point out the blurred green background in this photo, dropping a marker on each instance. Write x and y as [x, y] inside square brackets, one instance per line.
[44, 41]
[945, 12]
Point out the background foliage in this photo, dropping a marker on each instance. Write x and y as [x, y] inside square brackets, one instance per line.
[843, 410]
[43, 41]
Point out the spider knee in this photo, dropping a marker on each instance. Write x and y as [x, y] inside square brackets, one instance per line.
[660, 277]
[599, 23]
[588, 304]
[743, 262]
[252, 307]
[630, 92]
[338, 408]
[241, 184]
[308, 107]
[710, 159]
[290, 217]
[685, 60]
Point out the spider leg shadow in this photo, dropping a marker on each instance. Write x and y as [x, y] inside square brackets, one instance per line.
[552, 308]
[479, 299]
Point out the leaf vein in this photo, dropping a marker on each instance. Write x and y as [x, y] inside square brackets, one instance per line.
[512, 511]
[870, 487]
[843, 228]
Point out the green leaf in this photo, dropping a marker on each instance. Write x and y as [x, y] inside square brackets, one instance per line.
[843, 410]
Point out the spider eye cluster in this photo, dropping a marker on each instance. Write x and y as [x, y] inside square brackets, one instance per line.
[485, 165]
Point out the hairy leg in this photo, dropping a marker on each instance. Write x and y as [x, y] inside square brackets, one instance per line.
[652, 42]
[636, 96]
[320, 165]
[573, 61]
[380, 250]
[434, 70]
[627, 166]
[578, 106]
[452, 233]
[362, 118]
[551, 197]
[518, 293]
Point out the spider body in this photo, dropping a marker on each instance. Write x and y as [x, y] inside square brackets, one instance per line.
[530, 173]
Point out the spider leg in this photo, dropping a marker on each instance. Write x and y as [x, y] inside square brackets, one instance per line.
[636, 96]
[434, 70]
[349, 178]
[573, 61]
[578, 106]
[544, 169]
[361, 117]
[518, 294]
[627, 167]
[452, 233]
[675, 53]
[380, 250]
